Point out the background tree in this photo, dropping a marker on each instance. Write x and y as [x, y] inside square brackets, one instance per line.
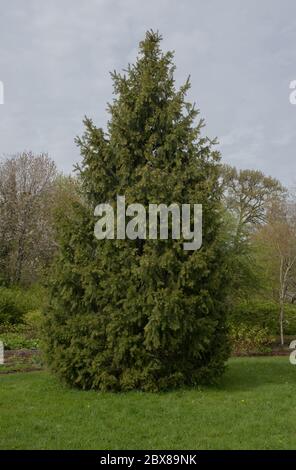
[26, 196]
[248, 196]
[141, 313]
[277, 244]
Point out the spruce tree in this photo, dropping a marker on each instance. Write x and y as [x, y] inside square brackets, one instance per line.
[141, 314]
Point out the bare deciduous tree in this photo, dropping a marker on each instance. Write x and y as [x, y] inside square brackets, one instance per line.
[278, 249]
[248, 194]
[26, 192]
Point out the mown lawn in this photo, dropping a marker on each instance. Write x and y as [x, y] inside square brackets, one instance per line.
[253, 408]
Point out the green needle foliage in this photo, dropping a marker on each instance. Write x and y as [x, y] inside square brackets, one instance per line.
[141, 314]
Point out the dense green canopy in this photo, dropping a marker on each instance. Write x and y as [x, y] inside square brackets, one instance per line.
[144, 314]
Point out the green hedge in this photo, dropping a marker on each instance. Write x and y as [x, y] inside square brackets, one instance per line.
[11, 310]
[265, 315]
[16, 302]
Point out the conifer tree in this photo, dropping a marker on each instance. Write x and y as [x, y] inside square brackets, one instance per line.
[141, 314]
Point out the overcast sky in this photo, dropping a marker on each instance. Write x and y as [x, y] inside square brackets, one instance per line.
[55, 59]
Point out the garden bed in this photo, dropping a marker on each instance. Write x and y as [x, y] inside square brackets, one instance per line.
[21, 360]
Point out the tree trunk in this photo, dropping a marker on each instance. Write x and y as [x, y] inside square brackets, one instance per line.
[282, 322]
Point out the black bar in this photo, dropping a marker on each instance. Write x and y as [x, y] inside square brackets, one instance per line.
[137, 458]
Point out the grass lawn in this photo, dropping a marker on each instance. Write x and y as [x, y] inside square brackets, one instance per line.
[253, 408]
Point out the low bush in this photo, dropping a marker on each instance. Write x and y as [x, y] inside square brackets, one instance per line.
[18, 341]
[246, 339]
[20, 305]
[18, 336]
[33, 298]
[34, 319]
[11, 311]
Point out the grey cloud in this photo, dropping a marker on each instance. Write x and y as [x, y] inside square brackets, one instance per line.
[55, 59]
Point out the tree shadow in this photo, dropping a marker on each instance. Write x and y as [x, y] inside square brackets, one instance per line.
[253, 372]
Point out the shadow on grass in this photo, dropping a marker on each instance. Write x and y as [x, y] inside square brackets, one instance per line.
[252, 372]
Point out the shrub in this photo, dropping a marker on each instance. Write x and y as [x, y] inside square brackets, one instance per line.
[18, 336]
[17, 302]
[32, 298]
[34, 319]
[18, 341]
[11, 310]
[264, 315]
[246, 339]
